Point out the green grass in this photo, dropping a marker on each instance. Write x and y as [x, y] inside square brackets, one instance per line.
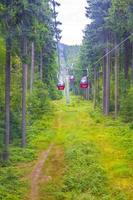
[84, 174]
[97, 165]
[11, 188]
[92, 157]
[14, 175]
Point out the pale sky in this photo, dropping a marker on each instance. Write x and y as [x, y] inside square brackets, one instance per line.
[72, 16]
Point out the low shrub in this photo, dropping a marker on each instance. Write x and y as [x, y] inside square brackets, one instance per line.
[127, 106]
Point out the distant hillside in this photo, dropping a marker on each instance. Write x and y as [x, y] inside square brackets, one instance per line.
[69, 54]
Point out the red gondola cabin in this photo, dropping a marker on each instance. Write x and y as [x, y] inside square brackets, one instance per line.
[61, 85]
[84, 83]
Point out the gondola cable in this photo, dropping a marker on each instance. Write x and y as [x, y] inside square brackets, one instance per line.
[116, 47]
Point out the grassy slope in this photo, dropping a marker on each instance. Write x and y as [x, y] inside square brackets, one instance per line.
[97, 157]
[15, 176]
[91, 158]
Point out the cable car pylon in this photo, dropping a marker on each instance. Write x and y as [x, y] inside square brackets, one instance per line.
[67, 90]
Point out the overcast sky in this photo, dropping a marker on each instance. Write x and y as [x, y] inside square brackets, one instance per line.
[72, 16]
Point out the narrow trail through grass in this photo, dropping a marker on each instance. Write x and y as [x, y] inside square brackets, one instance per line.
[90, 159]
[36, 173]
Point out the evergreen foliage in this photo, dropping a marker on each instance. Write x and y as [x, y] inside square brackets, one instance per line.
[127, 106]
[28, 48]
[112, 76]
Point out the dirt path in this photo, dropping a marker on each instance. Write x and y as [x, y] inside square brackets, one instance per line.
[73, 125]
[36, 173]
[51, 178]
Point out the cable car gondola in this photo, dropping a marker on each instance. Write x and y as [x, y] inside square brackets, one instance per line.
[71, 78]
[61, 85]
[84, 84]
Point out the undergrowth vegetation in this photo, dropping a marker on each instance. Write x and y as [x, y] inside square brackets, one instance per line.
[91, 160]
[97, 155]
[84, 178]
[14, 175]
[127, 106]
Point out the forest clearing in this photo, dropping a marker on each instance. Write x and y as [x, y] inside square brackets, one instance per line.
[66, 100]
[89, 157]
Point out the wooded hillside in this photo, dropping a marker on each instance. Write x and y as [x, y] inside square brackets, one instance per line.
[69, 54]
[107, 52]
[28, 65]
[66, 112]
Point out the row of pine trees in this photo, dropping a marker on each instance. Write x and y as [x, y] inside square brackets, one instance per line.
[28, 40]
[110, 29]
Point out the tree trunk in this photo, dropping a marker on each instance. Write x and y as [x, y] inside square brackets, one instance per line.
[132, 67]
[24, 86]
[87, 93]
[127, 58]
[32, 65]
[116, 79]
[41, 65]
[95, 87]
[98, 84]
[104, 84]
[7, 99]
[58, 51]
[107, 90]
